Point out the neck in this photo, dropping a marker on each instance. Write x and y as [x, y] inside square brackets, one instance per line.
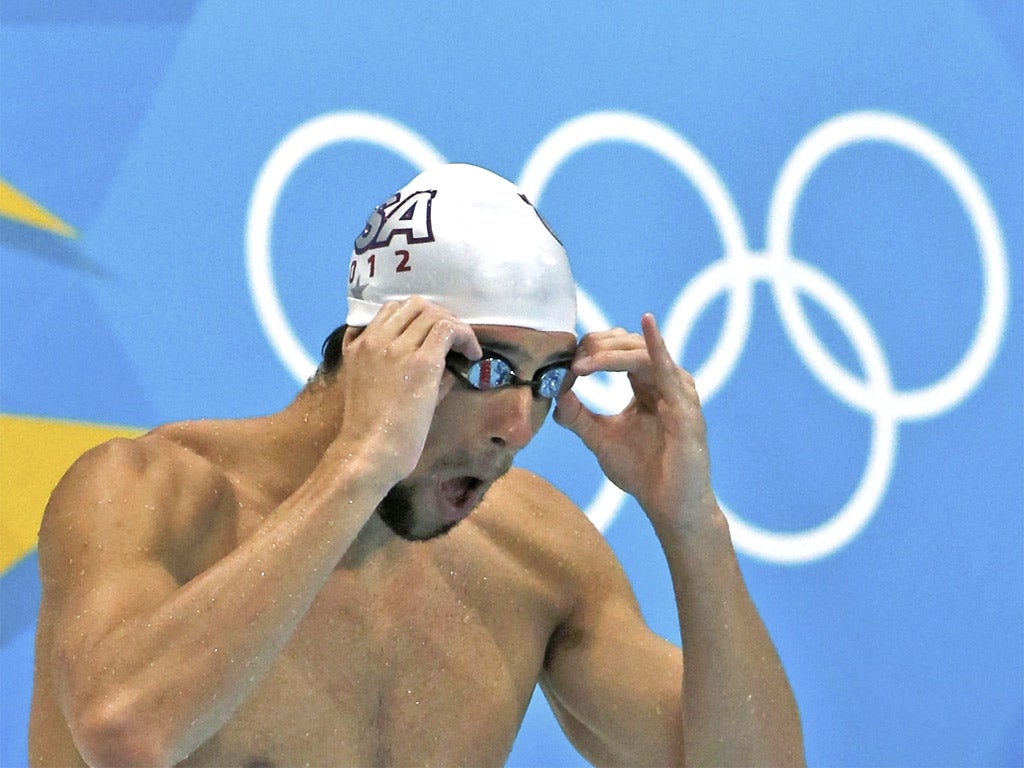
[295, 440]
[291, 442]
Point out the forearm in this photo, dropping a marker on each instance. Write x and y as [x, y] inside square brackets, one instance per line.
[738, 706]
[181, 668]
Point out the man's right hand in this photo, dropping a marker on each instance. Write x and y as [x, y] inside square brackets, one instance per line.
[392, 378]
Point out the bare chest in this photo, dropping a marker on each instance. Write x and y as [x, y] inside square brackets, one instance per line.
[415, 665]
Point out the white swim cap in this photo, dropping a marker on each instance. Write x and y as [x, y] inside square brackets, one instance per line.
[468, 240]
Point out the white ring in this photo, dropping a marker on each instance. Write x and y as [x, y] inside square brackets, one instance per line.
[628, 128]
[303, 141]
[839, 132]
[839, 530]
[736, 272]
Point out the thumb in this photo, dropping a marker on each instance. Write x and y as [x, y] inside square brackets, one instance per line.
[576, 417]
[445, 386]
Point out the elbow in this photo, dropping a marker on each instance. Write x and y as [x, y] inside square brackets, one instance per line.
[114, 733]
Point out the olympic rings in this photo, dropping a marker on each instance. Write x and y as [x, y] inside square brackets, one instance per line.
[735, 274]
[308, 138]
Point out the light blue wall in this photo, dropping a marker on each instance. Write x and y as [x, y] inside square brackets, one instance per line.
[874, 476]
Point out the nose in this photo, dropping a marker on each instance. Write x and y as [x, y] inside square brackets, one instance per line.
[515, 420]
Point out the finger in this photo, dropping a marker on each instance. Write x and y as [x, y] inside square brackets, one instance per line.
[629, 360]
[446, 334]
[465, 342]
[616, 338]
[576, 417]
[666, 372]
[420, 328]
[436, 327]
[613, 350]
[446, 385]
[391, 319]
[415, 322]
[610, 333]
[395, 317]
[351, 334]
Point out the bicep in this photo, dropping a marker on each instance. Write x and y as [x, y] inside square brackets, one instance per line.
[100, 557]
[614, 685]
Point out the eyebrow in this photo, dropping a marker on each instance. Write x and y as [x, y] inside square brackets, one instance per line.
[515, 353]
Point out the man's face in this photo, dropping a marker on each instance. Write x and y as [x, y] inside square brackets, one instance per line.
[475, 435]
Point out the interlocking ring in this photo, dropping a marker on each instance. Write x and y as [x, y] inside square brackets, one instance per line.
[735, 274]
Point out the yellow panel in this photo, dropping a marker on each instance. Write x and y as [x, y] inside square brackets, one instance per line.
[22, 208]
[34, 454]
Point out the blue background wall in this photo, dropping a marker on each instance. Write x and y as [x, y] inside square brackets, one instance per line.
[821, 202]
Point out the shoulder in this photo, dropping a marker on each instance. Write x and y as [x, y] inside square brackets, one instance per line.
[133, 465]
[534, 507]
[149, 494]
[527, 512]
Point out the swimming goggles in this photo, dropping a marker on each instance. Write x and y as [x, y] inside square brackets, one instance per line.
[494, 372]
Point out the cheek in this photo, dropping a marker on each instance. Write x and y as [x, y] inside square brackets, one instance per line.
[455, 415]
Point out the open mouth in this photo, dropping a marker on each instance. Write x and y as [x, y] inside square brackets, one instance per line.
[458, 496]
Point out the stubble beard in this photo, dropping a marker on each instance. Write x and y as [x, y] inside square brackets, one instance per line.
[398, 512]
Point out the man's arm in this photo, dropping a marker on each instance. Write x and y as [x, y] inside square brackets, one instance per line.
[150, 663]
[736, 702]
[147, 667]
[613, 685]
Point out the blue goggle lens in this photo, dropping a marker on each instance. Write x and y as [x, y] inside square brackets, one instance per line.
[548, 383]
[495, 373]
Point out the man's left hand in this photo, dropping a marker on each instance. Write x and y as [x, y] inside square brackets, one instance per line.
[655, 449]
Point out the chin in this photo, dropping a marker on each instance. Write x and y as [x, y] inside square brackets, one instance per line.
[398, 511]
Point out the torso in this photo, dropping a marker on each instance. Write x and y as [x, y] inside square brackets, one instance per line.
[426, 656]
[422, 654]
